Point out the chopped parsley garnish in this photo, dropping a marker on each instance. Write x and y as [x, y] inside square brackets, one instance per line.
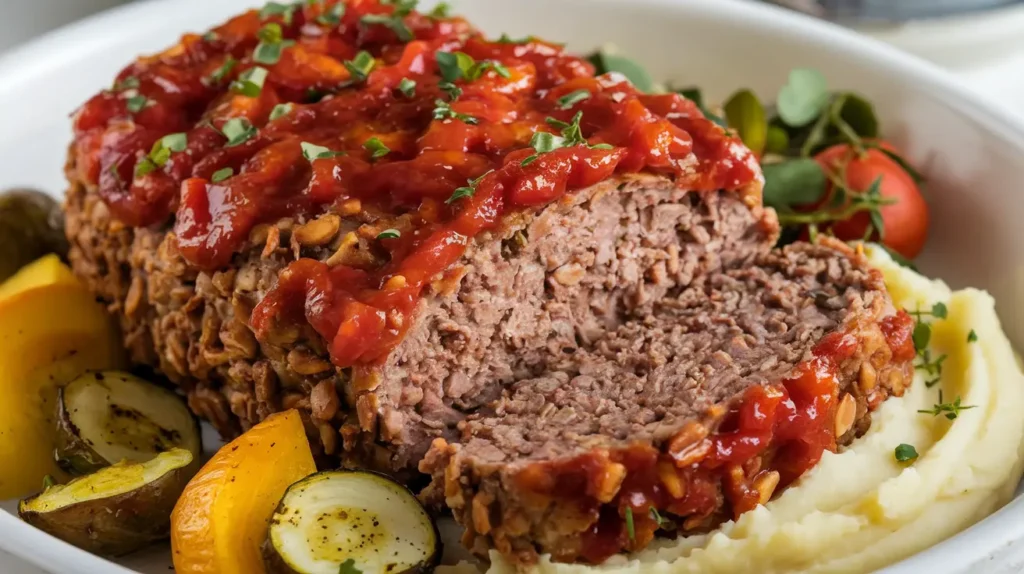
[222, 174]
[972, 336]
[407, 87]
[129, 83]
[250, 82]
[922, 336]
[905, 453]
[220, 73]
[389, 234]
[505, 39]
[571, 136]
[376, 148]
[286, 11]
[238, 131]
[137, 103]
[468, 190]
[272, 43]
[360, 66]
[442, 10]
[349, 567]
[630, 528]
[313, 151]
[443, 110]
[572, 98]
[280, 110]
[48, 481]
[662, 522]
[394, 21]
[161, 153]
[459, 65]
[451, 89]
[332, 17]
[950, 410]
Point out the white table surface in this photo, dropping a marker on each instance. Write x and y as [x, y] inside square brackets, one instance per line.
[1001, 81]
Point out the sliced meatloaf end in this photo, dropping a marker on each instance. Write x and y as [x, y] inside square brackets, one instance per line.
[678, 420]
[522, 299]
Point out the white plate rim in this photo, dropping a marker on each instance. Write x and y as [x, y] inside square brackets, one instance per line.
[50, 51]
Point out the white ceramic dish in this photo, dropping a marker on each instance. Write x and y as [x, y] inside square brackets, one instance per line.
[970, 149]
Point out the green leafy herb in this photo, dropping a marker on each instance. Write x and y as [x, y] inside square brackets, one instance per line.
[250, 82]
[389, 234]
[922, 330]
[443, 110]
[220, 73]
[505, 39]
[238, 131]
[376, 148]
[137, 103]
[394, 22]
[844, 203]
[662, 522]
[694, 95]
[161, 153]
[129, 83]
[333, 15]
[905, 453]
[360, 66]
[972, 337]
[407, 87]
[778, 140]
[451, 89]
[313, 151]
[798, 181]
[604, 63]
[281, 110]
[922, 336]
[745, 114]
[441, 10]
[349, 567]
[286, 11]
[572, 98]
[468, 190]
[950, 410]
[571, 136]
[222, 174]
[48, 481]
[803, 97]
[211, 36]
[454, 65]
[630, 529]
[854, 117]
[272, 43]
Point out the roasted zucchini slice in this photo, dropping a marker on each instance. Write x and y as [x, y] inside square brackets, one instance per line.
[106, 417]
[116, 510]
[361, 520]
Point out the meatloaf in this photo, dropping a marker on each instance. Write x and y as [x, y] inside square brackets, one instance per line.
[427, 242]
[682, 418]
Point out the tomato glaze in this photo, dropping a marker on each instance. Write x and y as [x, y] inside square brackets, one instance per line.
[436, 143]
[782, 427]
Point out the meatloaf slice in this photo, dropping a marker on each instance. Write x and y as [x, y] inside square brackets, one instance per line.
[549, 283]
[729, 389]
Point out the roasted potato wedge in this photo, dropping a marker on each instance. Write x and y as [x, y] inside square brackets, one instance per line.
[109, 416]
[116, 510]
[350, 521]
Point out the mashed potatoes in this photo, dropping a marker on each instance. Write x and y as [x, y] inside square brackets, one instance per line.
[861, 509]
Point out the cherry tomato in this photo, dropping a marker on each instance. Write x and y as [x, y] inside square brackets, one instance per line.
[905, 221]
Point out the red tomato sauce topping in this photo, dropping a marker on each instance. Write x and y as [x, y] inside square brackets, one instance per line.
[774, 433]
[295, 110]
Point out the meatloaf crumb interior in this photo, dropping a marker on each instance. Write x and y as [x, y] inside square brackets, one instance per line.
[478, 266]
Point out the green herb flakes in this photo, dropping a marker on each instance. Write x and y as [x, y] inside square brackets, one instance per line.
[905, 453]
[630, 528]
[389, 234]
[250, 82]
[468, 190]
[407, 87]
[360, 66]
[950, 410]
[238, 131]
[972, 337]
[333, 15]
[312, 152]
[572, 98]
[281, 110]
[286, 11]
[222, 174]
[220, 73]
[376, 148]
[137, 103]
